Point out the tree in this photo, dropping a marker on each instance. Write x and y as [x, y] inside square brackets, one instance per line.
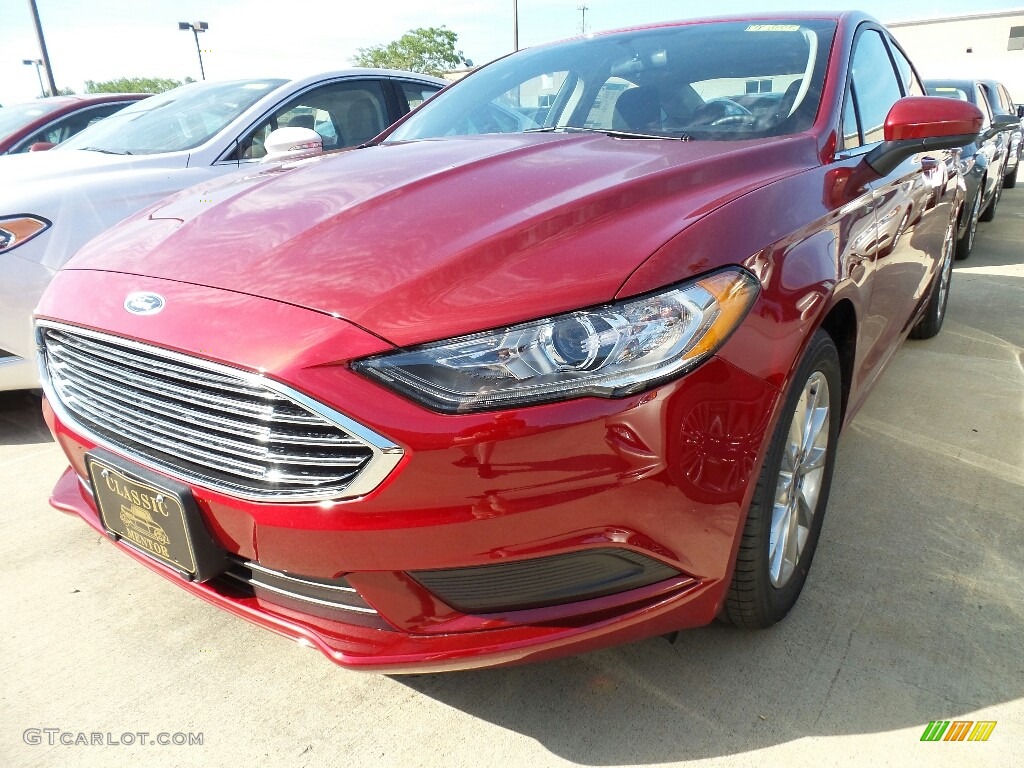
[430, 50]
[134, 85]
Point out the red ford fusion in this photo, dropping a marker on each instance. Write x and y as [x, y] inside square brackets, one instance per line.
[40, 124]
[557, 362]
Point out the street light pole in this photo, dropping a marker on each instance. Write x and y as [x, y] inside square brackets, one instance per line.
[196, 27]
[39, 74]
[42, 47]
[515, 24]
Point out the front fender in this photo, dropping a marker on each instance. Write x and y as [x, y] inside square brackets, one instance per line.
[805, 252]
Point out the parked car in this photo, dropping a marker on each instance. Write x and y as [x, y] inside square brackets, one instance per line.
[53, 203]
[983, 160]
[1003, 104]
[466, 397]
[42, 123]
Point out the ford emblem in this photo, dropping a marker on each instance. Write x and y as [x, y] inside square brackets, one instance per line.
[144, 303]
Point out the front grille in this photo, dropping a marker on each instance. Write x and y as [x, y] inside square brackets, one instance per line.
[333, 599]
[221, 428]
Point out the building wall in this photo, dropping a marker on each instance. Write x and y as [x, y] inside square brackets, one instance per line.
[967, 46]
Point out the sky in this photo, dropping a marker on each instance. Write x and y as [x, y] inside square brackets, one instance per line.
[106, 39]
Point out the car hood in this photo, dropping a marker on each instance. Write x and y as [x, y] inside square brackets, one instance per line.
[58, 164]
[425, 240]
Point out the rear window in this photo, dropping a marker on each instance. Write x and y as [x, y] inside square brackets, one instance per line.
[17, 116]
[949, 92]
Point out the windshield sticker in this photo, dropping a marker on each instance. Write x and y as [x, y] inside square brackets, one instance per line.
[773, 28]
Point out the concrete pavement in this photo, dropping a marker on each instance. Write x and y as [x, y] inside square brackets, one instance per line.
[914, 611]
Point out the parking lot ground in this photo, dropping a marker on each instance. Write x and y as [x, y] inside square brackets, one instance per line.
[913, 612]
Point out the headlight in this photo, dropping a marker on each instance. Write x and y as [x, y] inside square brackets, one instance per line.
[609, 351]
[15, 230]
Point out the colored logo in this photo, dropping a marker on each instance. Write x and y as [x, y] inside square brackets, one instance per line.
[144, 303]
[958, 730]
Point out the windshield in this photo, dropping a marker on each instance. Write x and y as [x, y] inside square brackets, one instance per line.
[730, 80]
[179, 119]
[18, 115]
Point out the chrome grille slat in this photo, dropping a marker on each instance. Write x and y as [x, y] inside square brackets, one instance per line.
[259, 451]
[222, 428]
[260, 411]
[333, 599]
[103, 387]
[297, 580]
[167, 368]
[224, 464]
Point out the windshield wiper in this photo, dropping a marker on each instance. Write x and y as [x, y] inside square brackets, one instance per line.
[105, 151]
[607, 132]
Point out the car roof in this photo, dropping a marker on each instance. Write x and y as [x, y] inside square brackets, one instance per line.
[65, 103]
[366, 72]
[845, 16]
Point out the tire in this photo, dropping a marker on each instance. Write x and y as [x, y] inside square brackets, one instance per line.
[990, 212]
[1010, 179]
[766, 583]
[931, 321]
[965, 244]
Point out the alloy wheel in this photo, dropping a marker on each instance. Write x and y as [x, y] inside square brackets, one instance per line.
[972, 227]
[800, 479]
[948, 247]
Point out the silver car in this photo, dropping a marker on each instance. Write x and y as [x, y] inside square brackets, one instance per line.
[52, 203]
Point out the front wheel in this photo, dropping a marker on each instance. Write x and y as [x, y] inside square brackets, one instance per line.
[965, 244]
[785, 515]
[990, 211]
[931, 321]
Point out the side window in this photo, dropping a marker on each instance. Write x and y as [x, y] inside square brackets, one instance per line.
[68, 126]
[1006, 101]
[875, 85]
[911, 85]
[851, 134]
[97, 114]
[983, 104]
[417, 93]
[345, 114]
[996, 102]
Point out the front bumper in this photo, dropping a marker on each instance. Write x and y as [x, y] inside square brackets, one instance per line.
[664, 475]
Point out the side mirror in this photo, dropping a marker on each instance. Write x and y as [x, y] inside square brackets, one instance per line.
[41, 146]
[292, 144]
[922, 123]
[1020, 110]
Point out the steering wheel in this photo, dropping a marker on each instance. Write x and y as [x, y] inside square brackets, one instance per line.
[722, 111]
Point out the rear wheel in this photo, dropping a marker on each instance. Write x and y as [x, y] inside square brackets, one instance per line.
[784, 520]
[1010, 179]
[965, 244]
[931, 321]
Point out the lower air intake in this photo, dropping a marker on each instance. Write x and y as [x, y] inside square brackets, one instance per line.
[543, 581]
